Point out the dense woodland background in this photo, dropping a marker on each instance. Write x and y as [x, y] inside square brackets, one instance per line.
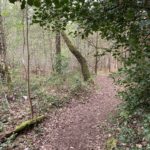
[43, 44]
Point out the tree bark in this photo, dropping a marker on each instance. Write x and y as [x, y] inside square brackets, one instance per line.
[79, 57]
[51, 52]
[58, 53]
[96, 54]
[28, 64]
[21, 127]
[4, 72]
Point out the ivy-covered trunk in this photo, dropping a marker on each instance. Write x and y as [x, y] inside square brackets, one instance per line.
[79, 57]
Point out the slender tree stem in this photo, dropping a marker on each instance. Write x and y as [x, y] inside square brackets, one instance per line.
[28, 65]
[58, 53]
[96, 53]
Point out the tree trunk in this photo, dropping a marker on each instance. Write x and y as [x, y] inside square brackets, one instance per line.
[4, 73]
[58, 53]
[96, 62]
[96, 54]
[20, 128]
[51, 52]
[79, 57]
[28, 64]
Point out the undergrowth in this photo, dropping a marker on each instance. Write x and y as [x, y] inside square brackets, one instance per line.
[47, 93]
[131, 131]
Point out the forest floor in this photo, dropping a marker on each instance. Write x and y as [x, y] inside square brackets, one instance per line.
[79, 125]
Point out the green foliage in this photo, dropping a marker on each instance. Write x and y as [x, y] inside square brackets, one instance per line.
[78, 86]
[8, 142]
[125, 22]
[47, 92]
[5, 105]
[61, 63]
[136, 82]
[35, 3]
[111, 143]
[133, 132]
[47, 101]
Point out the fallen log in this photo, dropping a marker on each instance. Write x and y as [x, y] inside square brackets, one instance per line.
[21, 127]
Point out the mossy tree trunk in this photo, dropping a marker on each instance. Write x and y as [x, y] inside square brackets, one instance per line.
[4, 72]
[58, 53]
[96, 54]
[21, 127]
[79, 57]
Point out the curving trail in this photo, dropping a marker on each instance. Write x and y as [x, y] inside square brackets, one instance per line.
[78, 126]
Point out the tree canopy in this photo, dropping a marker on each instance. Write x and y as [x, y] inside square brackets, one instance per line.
[125, 22]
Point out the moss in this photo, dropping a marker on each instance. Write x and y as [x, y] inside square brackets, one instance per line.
[28, 123]
[20, 128]
[79, 57]
[111, 143]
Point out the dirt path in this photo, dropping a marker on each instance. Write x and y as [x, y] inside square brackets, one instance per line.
[77, 126]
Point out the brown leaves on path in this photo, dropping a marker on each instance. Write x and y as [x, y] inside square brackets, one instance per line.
[79, 126]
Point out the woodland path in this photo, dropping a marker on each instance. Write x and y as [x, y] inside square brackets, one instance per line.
[78, 126]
